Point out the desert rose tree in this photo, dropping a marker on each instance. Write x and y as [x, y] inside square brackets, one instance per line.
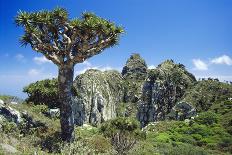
[66, 42]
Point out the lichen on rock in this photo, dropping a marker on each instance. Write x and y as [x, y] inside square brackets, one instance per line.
[162, 89]
[97, 95]
[134, 74]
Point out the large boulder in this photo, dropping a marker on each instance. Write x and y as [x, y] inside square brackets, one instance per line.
[134, 74]
[162, 89]
[97, 95]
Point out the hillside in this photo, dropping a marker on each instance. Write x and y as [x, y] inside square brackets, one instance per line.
[168, 111]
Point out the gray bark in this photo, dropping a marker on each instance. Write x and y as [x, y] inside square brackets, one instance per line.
[65, 80]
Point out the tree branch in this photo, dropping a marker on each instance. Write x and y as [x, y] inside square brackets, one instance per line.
[92, 49]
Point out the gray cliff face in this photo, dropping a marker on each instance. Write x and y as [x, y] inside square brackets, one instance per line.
[97, 96]
[163, 88]
[134, 74]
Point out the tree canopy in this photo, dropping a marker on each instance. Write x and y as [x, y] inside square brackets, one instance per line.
[67, 41]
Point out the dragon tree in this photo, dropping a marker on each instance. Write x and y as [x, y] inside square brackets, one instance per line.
[66, 42]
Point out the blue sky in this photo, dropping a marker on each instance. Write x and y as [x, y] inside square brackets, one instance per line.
[196, 33]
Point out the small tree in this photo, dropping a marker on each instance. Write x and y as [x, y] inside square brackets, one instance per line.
[66, 42]
[43, 92]
[124, 132]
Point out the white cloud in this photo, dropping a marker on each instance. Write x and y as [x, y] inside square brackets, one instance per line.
[151, 67]
[20, 57]
[224, 59]
[199, 64]
[87, 65]
[12, 83]
[41, 60]
[101, 68]
[34, 72]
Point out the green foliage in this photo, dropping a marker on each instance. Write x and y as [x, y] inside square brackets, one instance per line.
[126, 109]
[224, 110]
[8, 99]
[54, 33]
[9, 127]
[207, 93]
[39, 108]
[5, 97]
[120, 124]
[88, 141]
[44, 92]
[203, 132]
[123, 132]
[163, 137]
[156, 148]
[181, 149]
[207, 118]
[100, 144]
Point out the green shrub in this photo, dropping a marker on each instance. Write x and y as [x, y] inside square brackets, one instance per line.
[207, 118]
[9, 127]
[144, 148]
[86, 131]
[163, 137]
[100, 144]
[184, 149]
[43, 92]
[123, 132]
[39, 108]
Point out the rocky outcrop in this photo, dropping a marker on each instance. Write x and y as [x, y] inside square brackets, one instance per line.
[97, 95]
[134, 74]
[135, 68]
[182, 111]
[20, 118]
[10, 114]
[163, 88]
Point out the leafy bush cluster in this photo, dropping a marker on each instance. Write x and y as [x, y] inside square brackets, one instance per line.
[123, 132]
[204, 131]
[43, 92]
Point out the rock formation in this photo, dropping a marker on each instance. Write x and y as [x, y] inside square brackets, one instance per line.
[97, 95]
[182, 111]
[134, 74]
[10, 114]
[163, 88]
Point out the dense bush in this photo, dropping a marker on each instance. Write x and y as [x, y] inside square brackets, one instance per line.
[88, 141]
[43, 92]
[123, 132]
[207, 118]
[9, 127]
[202, 132]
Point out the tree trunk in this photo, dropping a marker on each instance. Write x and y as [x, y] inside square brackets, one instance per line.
[65, 83]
